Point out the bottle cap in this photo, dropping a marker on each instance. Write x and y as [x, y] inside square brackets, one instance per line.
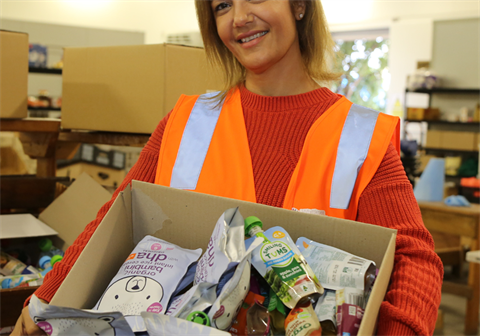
[45, 244]
[44, 260]
[251, 222]
[199, 317]
[56, 258]
[6, 283]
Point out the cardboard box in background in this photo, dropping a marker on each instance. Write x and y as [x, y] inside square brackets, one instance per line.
[434, 139]
[452, 140]
[187, 219]
[13, 74]
[130, 88]
[458, 140]
[414, 113]
[105, 176]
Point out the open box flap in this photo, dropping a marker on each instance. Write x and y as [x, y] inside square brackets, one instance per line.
[74, 209]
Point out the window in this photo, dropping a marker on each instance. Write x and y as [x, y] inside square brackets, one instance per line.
[364, 66]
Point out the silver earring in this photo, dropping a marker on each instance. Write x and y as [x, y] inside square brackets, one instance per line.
[300, 16]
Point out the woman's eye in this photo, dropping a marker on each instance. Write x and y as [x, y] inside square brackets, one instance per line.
[221, 6]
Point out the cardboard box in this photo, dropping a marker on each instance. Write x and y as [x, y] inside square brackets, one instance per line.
[13, 74]
[467, 141]
[414, 113]
[130, 88]
[434, 139]
[458, 140]
[188, 218]
[104, 176]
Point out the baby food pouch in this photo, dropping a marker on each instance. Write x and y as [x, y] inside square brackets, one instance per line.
[56, 320]
[187, 279]
[258, 320]
[302, 320]
[335, 268]
[230, 300]
[326, 310]
[198, 298]
[225, 249]
[146, 280]
[165, 325]
[239, 326]
[350, 309]
[277, 312]
[280, 262]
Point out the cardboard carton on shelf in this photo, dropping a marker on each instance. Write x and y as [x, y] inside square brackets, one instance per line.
[467, 141]
[130, 88]
[13, 74]
[414, 113]
[105, 176]
[187, 219]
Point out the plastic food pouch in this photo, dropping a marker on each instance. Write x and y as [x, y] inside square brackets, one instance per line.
[11, 266]
[277, 312]
[258, 320]
[164, 325]
[335, 268]
[302, 320]
[225, 249]
[280, 262]
[56, 320]
[350, 309]
[187, 279]
[230, 298]
[239, 327]
[326, 309]
[198, 298]
[146, 280]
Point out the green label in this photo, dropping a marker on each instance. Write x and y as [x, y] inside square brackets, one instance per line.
[290, 272]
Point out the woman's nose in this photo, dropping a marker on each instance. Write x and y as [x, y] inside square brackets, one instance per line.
[241, 13]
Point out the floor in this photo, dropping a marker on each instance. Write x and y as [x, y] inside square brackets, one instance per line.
[453, 308]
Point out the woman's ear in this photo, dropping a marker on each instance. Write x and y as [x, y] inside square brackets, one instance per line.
[299, 9]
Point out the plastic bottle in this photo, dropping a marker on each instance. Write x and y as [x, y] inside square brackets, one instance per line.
[47, 248]
[47, 263]
[10, 265]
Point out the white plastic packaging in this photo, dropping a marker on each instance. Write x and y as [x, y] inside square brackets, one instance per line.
[147, 280]
[165, 325]
[225, 249]
[60, 321]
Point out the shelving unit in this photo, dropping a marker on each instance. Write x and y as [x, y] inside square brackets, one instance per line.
[446, 125]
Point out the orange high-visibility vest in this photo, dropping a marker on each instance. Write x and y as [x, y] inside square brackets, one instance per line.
[205, 149]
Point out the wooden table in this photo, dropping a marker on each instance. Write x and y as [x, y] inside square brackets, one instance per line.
[461, 222]
[43, 139]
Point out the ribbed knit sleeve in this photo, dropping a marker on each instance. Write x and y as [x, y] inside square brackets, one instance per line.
[143, 170]
[413, 297]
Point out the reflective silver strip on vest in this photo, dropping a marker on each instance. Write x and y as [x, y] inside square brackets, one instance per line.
[351, 153]
[195, 141]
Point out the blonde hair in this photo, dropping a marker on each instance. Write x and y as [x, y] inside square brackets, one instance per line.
[316, 44]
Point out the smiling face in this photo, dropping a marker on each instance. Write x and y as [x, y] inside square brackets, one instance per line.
[261, 34]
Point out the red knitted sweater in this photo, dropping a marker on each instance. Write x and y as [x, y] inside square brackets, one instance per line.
[276, 129]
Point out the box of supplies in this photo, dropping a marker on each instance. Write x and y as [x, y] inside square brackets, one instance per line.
[187, 219]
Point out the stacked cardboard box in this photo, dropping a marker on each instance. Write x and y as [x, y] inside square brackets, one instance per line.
[13, 74]
[467, 141]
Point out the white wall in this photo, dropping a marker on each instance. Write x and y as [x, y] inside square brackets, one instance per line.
[158, 18]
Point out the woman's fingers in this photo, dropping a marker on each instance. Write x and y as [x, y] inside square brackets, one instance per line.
[30, 327]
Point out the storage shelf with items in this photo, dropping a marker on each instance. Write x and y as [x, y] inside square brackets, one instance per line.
[443, 131]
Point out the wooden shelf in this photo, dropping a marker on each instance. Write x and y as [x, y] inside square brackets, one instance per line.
[453, 151]
[44, 109]
[48, 71]
[445, 122]
[446, 91]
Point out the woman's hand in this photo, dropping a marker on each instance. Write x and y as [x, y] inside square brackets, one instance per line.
[26, 326]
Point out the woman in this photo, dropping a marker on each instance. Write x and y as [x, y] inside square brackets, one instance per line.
[276, 137]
